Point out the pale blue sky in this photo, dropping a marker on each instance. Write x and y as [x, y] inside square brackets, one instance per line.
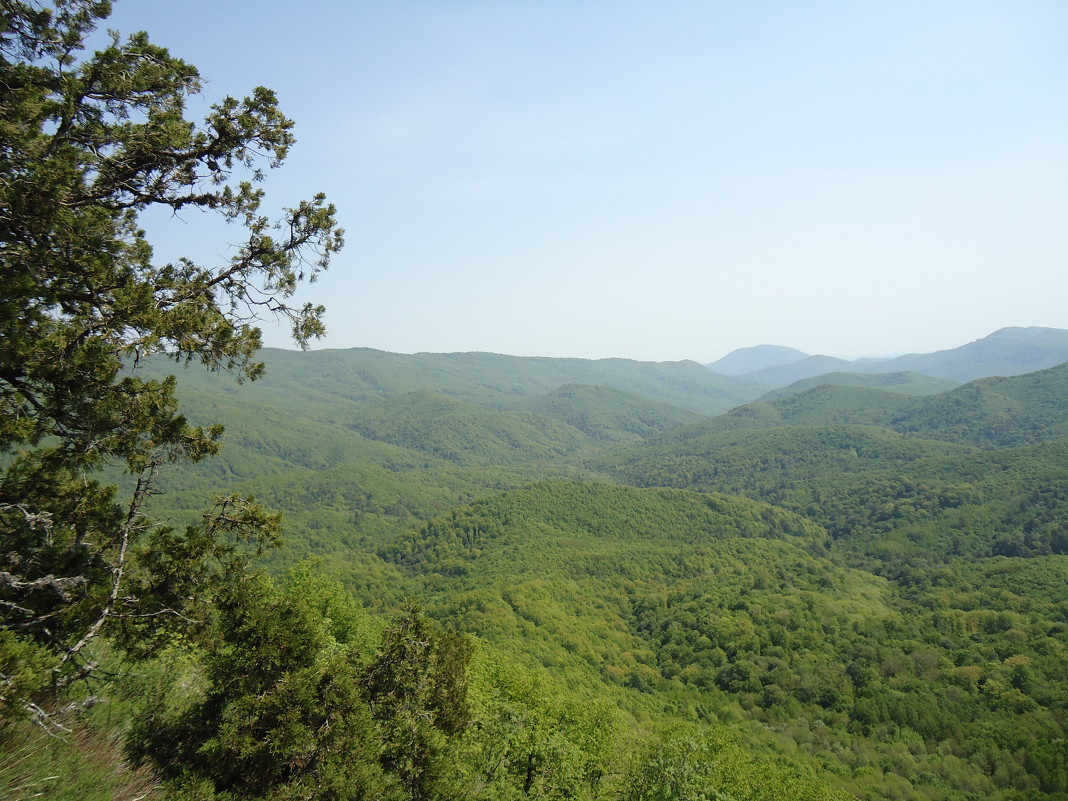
[660, 181]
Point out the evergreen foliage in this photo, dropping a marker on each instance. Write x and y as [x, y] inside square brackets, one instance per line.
[89, 142]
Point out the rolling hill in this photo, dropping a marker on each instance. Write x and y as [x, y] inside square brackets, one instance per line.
[989, 412]
[815, 572]
[489, 379]
[905, 382]
[724, 609]
[607, 414]
[995, 412]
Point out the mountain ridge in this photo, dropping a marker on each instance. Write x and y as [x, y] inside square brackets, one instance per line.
[848, 576]
[1013, 350]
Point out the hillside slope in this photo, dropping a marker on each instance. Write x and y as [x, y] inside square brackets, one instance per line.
[905, 383]
[363, 375]
[607, 414]
[989, 412]
[723, 609]
[995, 412]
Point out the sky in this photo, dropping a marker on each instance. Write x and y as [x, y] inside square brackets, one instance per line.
[657, 181]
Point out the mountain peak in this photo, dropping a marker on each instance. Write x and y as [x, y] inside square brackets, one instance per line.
[746, 360]
[1020, 332]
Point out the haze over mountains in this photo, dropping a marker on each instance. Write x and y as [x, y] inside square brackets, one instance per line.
[1008, 351]
[319, 409]
[512, 382]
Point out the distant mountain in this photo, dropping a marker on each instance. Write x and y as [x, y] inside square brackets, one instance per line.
[784, 374]
[746, 360]
[418, 431]
[998, 412]
[1007, 352]
[823, 405]
[905, 383]
[878, 587]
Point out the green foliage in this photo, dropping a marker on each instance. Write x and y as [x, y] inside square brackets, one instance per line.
[609, 415]
[417, 689]
[667, 605]
[989, 412]
[828, 405]
[707, 765]
[843, 587]
[533, 738]
[304, 695]
[995, 412]
[464, 433]
[363, 375]
[766, 462]
[281, 714]
[904, 383]
[735, 611]
[25, 668]
[90, 141]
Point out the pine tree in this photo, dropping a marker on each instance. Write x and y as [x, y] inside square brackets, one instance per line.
[89, 141]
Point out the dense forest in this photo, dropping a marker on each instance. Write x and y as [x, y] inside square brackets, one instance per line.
[365, 575]
[846, 591]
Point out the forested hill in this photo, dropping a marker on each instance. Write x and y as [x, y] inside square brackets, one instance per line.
[860, 589]
[363, 374]
[609, 414]
[924, 683]
[321, 382]
[905, 383]
[988, 412]
[809, 575]
[995, 412]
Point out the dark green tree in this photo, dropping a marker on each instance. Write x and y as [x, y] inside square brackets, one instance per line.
[417, 688]
[89, 141]
[282, 714]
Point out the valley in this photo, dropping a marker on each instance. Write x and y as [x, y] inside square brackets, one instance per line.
[858, 589]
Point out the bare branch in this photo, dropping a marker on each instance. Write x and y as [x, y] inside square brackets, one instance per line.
[129, 527]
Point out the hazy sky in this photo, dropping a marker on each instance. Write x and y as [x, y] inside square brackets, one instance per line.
[659, 181]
